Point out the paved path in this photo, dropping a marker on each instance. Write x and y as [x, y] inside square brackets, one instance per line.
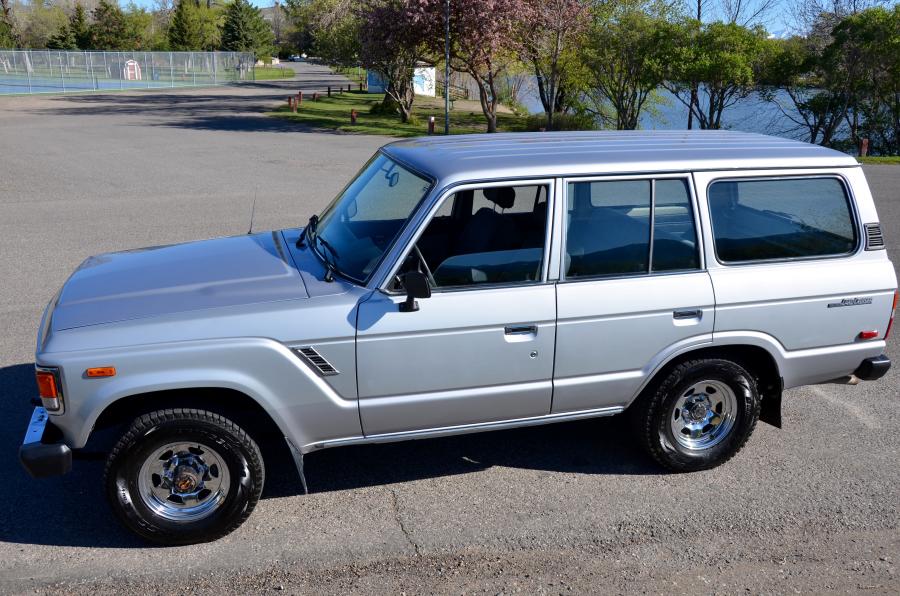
[571, 507]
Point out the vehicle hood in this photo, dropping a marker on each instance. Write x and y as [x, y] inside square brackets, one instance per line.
[163, 280]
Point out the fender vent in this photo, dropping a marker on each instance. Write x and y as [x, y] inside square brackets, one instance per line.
[874, 237]
[317, 361]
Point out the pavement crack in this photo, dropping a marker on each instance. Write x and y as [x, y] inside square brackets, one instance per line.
[399, 519]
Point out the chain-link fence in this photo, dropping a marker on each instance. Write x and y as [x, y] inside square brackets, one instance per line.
[60, 71]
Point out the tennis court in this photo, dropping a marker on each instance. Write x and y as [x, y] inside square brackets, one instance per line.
[52, 71]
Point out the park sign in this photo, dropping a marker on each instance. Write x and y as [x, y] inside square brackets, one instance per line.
[423, 81]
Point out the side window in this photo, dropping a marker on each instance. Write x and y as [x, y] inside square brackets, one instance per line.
[609, 228]
[674, 236]
[493, 235]
[609, 224]
[769, 219]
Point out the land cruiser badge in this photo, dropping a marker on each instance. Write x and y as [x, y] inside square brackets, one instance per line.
[850, 302]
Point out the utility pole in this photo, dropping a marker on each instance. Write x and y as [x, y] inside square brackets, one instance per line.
[446, 67]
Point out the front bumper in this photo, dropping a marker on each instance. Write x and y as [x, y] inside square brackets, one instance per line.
[42, 459]
[873, 368]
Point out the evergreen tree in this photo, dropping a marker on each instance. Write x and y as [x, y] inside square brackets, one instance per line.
[80, 28]
[184, 30]
[62, 39]
[245, 30]
[109, 30]
[74, 35]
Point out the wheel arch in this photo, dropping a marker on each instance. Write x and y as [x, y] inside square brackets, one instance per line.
[233, 404]
[757, 360]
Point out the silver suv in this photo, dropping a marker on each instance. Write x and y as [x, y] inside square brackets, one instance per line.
[470, 283]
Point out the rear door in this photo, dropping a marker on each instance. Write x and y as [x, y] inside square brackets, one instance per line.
[633, 287]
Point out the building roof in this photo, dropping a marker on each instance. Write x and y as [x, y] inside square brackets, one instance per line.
[506, 155]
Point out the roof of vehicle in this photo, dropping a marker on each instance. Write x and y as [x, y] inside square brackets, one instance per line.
[488, 156]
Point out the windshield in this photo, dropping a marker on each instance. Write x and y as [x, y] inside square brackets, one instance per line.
[360, 225]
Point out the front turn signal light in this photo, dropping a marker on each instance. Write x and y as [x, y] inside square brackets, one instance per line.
[48, 388]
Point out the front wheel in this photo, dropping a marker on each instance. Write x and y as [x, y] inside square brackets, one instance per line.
[184, 476]
[700, 415]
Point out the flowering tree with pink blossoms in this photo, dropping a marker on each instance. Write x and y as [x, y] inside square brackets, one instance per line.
[484, 40]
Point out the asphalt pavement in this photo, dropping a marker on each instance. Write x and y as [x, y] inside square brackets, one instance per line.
[557, 509]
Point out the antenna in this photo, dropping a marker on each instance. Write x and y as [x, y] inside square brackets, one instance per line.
[253, 210]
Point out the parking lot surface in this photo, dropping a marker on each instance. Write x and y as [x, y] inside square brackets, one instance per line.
[565, 508]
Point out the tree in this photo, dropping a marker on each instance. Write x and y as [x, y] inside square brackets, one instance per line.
[551, 36]
[109, 31]
[328, 29]
[37, 21]
[7, 34]
[80, 28]
[627, 61]
[245, 30]
[63, 39]
[867, 46]
[716, 62]
[391, 45]
[483, 34]
[818, 100]
[139, 34]
[185, 29]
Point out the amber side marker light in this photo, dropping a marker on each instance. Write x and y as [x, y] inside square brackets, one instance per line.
[100, 371]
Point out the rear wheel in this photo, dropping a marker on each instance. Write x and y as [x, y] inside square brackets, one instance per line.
[184, 476]
[700, 415]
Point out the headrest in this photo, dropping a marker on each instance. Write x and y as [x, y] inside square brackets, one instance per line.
[503, 196]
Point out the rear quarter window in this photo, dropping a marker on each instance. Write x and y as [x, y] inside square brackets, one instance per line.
[777, 219]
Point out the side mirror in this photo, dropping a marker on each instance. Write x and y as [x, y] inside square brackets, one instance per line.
[416, 284]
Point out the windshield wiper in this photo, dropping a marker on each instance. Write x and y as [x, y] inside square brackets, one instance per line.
[308, 231]
[330, 263]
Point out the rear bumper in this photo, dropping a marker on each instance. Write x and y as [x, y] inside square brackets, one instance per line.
[873, 368]
[42, 459]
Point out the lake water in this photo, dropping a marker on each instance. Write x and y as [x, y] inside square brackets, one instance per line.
[751, 114]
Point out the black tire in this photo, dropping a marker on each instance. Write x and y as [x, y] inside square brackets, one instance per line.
[655, 427]
[236, 450]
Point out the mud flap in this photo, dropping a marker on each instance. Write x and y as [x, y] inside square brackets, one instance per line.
[298, 461]
[770, 408]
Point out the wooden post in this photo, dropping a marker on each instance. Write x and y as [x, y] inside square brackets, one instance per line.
[299, 98]
[864, 147]
[348, 87]
[353, 116]
[360, 87]
[431, 125]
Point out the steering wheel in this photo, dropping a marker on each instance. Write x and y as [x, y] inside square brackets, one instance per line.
[425, 265]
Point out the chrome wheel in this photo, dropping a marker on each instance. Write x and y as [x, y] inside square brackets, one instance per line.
[184, 482]
[703, 415]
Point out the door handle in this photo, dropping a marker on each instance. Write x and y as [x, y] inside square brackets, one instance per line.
[687, 314]
[520, 330]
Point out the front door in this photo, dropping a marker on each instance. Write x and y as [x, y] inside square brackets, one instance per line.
[481, 348]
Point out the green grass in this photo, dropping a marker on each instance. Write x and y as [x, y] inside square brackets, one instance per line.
[268, 73]
[333, 113]
[354, 73]
[887, 159]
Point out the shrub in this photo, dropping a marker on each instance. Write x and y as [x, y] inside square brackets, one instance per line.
[562, 122]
